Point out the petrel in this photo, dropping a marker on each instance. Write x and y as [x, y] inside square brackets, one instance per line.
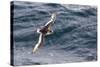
[45, 30]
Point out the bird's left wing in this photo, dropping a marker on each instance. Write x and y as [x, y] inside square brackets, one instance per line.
[40, 42]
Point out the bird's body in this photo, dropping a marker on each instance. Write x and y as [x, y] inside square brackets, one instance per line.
[45, 30]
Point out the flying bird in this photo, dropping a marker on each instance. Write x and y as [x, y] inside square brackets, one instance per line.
[45, 30]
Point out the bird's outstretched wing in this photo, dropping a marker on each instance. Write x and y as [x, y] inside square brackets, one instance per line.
[49, 24]
[52, 20]
[47, 28]
[40, 42]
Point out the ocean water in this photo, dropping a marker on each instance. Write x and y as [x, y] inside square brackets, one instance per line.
[74, 37]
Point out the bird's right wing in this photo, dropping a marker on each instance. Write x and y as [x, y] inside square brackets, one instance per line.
[52, 20]
[49, 24]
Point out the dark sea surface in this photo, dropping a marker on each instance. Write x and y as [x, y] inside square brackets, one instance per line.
[74, 37]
